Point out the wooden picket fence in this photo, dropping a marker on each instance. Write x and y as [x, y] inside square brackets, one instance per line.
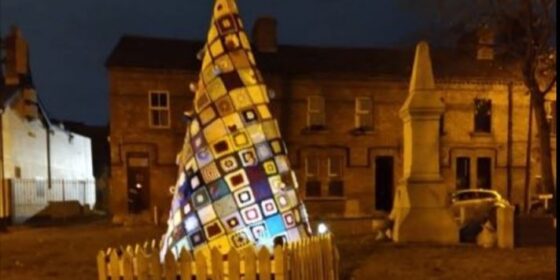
[309, 259]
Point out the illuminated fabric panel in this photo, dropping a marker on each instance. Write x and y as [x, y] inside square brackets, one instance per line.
[235, 185]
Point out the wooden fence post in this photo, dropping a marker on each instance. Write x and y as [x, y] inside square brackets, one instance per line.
[264, 264]
[128, 269]
[114, 265]
[250, 264]
[201, 270]
[185, 267]
[279, 263]
[170, 267]
[155, 264]
[141, 263]
[234, 265]
[101, 266]
[217, 264]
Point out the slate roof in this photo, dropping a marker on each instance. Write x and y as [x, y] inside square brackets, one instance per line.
[177, 54]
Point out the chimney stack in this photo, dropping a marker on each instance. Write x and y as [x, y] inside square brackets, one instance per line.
[264, 35]
[16, 56]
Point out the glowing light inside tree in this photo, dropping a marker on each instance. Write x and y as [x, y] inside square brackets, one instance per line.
[235, 186]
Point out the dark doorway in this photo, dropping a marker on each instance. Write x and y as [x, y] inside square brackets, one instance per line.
[384, 183]
[138, 183]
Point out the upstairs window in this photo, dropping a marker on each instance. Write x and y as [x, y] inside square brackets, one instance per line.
[482, 115]
[159, 109]
[335, 165]
[364, 117]
[315, 112]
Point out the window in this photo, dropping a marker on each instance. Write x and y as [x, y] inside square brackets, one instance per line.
[482, 115]
[311, 167]
[484, 173]
[312, 183]
[313, 189]
[159, 109]
[364, 116]
[335, 165]
[336, 188]
[315, 112]
[550, 108]
[463, 173]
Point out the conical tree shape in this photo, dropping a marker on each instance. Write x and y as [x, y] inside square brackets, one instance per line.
[235, 185]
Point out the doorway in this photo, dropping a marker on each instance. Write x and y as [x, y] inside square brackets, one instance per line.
[384, 183]
[138, 179]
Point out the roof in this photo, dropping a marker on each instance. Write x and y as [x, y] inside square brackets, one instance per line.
[177, 54]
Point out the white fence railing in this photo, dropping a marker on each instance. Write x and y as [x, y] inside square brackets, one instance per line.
[29, 196]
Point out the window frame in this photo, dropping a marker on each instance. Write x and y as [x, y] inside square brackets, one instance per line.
[321, 112]
[312, 176]
[166, 109]
[359, 113]
[468, 174]
[329, 165]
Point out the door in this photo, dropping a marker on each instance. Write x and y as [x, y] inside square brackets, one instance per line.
[138, 183]
[384, 183]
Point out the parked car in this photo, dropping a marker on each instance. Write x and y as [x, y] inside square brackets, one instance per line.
[475, 206]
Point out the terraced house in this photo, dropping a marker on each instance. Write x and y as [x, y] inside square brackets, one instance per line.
[41, 162]
[339, 114]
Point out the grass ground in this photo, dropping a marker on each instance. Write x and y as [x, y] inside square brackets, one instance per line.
[363, 258]
[68, 252]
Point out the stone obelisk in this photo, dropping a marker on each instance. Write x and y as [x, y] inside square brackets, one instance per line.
[421, 212]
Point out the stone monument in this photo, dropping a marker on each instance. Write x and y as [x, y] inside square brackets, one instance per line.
[421, 212]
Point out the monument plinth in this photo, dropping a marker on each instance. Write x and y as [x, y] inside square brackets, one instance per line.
[421, 213]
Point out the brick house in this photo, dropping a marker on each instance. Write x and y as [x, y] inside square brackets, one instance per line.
[338, 112]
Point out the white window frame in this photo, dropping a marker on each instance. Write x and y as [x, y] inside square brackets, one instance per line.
[329, 165]
[359, 113]
[152, 108]
[320, 111]
[309, 174]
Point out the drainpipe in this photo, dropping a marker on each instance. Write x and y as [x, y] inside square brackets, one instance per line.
[528, 156]
[49, 183]
[509, 141]
[4, 193]
[48, 126]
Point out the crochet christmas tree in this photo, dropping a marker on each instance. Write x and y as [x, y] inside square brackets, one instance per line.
[235, 187]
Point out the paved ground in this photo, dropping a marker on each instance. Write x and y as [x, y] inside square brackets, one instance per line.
[68, 252]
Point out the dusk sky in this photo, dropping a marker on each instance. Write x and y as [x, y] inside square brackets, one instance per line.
[70, 40]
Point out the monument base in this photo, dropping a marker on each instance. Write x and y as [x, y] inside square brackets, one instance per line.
[422, 215]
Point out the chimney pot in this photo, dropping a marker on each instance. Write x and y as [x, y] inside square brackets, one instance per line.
[485, 46]
[264, 35]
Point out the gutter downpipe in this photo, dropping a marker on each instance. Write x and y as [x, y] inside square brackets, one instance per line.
[528, 156]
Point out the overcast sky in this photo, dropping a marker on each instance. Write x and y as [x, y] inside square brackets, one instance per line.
[70, 39]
